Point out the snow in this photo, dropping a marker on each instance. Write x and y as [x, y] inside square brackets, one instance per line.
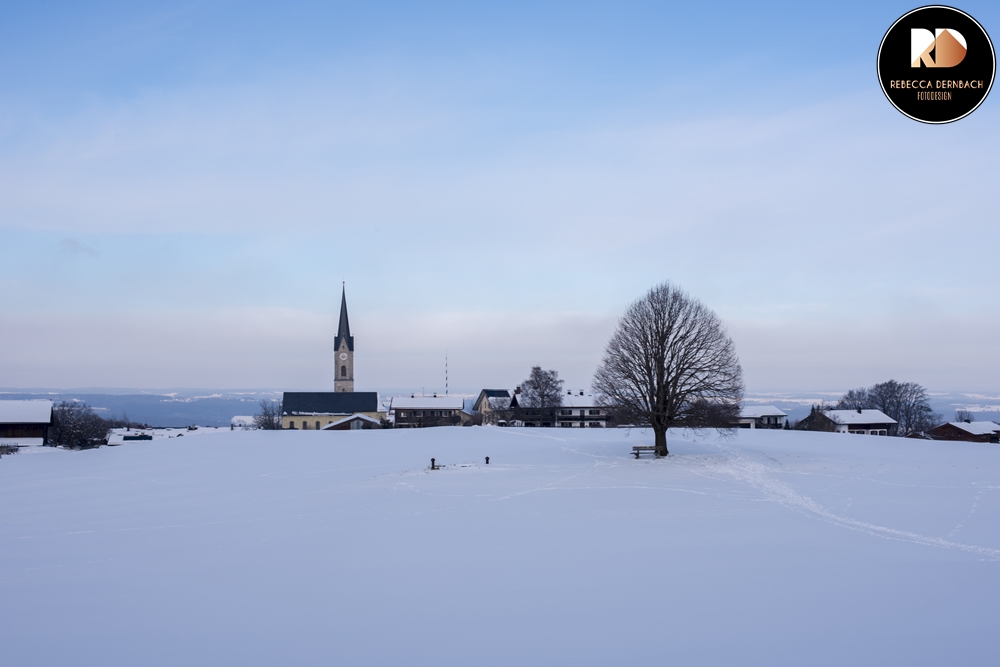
[576, 401]
[25, 412]
[342, 547]
[863, 417]
[978, 428]
[758, 411]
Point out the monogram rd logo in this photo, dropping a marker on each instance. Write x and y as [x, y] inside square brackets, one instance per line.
[933, 74]
[941, 48]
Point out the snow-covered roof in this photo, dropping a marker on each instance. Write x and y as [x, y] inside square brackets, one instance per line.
[577, 401]
[849, 417]
[978, 428]
[25, 412]
[427, 403]
[359, 417]
[758, 411]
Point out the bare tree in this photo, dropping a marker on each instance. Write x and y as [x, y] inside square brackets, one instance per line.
[541, 393]
[963, 415]
[669, 356]
[77, 425]
[268, 418]
[855, 399]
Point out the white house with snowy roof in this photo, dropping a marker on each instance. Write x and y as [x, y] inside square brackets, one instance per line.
[863, 422]
[581, 410]
[762, 416]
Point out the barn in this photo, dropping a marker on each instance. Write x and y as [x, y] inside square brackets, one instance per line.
[981, 431]
[25, 422]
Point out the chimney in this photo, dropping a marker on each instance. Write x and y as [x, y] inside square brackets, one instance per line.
[581, 392]
[517, 391]
[435, 395]
[859, 411]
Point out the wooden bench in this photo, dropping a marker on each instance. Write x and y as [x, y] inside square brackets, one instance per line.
[638, 449]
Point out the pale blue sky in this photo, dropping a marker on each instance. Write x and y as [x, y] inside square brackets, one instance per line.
[183, 189]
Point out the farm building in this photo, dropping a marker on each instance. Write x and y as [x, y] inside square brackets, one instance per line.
[25, 422]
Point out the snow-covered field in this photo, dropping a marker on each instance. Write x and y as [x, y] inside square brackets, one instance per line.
[342, 548]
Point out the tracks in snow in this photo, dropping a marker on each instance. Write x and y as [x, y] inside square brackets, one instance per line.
[741, 467]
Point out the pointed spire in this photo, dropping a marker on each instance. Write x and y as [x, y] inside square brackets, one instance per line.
[344, 330]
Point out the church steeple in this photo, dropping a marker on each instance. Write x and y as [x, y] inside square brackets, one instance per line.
[343, 350]
[344, 329]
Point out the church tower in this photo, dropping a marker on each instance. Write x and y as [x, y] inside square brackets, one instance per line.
[343, 351]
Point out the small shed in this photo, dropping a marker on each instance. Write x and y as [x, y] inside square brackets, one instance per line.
[25, 422]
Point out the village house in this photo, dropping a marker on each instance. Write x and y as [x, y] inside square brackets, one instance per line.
[762, 416]
[422, 411]
[978, 431]
[577, 409]
[580, 410]
[493, 405]
[25, 422]
[864, 422]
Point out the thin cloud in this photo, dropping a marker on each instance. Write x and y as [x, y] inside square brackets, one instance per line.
[75, 247]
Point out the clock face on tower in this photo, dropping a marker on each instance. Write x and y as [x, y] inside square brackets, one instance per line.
[343, 356]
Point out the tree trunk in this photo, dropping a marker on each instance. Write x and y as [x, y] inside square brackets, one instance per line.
[660, 442]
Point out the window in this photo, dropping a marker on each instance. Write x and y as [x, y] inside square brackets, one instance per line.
[595, 424]
[566, 424]
[402, 414]
[317, 426]
[291, 424]
[593, 412]
[343, 371]
[565, 412]
[447, 413]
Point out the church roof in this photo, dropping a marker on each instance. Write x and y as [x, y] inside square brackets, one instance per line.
[344, 329]
[329, 402]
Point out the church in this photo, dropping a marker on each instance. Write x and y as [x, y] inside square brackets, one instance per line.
[342, 408]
